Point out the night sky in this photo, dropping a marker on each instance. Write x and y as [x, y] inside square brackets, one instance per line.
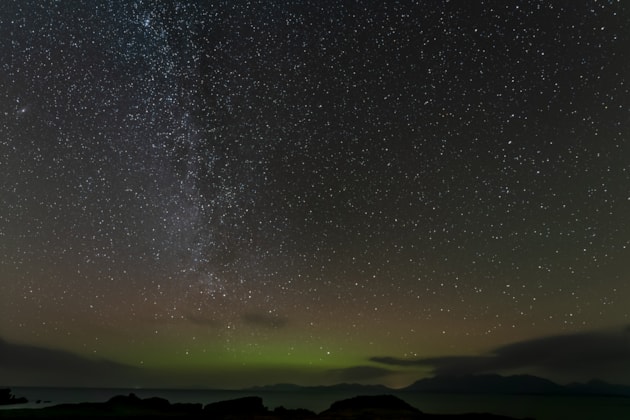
[235, 193]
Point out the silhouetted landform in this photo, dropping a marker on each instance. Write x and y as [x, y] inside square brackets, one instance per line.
[596, 387]
[512, 385]
[383, 407]
[118, 406]
[251, 408]
[372, 407]
[328, 388]
[7, 398]
[469, 384]
[390, 407]
[487, 384]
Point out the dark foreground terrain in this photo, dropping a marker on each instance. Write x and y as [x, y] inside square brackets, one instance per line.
[362, 407]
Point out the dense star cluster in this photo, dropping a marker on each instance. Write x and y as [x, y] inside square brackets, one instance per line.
[299, 187]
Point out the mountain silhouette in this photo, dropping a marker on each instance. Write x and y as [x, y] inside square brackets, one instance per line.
[354, 388]
[516, 384]
[467, 384]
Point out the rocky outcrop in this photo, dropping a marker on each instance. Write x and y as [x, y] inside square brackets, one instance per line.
[6, 397]
[372, 407]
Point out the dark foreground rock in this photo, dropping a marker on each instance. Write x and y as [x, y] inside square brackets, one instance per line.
[7, 398]
[390, 407]
[247, 406]
[130, 406]
[117, 407]
[372, 407]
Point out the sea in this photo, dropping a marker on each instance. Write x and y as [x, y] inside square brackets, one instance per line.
[540, 407]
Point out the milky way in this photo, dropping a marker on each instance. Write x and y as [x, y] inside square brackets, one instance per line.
[309, 186]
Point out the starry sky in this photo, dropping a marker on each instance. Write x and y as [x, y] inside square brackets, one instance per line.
[236, 193]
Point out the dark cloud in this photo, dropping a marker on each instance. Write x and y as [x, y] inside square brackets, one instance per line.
[264, 320]
[598, 354]
[22, 363]
[360, 373]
